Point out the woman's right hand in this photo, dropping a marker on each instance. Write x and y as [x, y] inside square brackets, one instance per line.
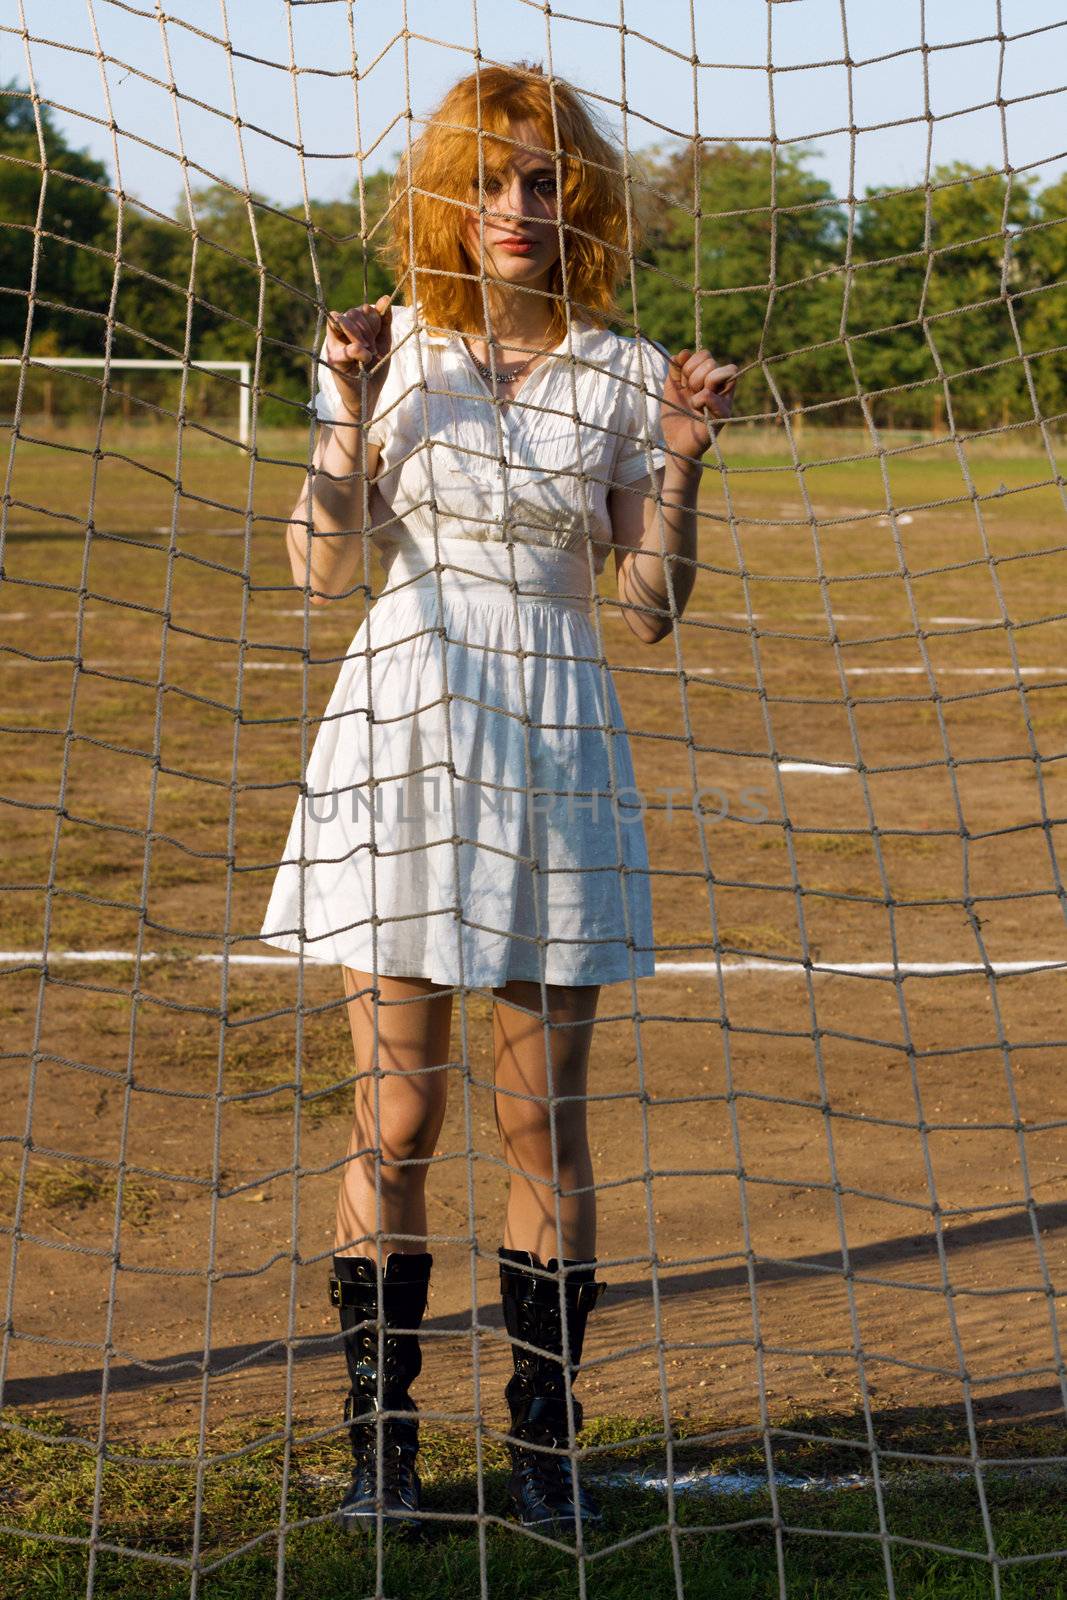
[358, 345]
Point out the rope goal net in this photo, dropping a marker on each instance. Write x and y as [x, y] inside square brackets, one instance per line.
[824, 1100]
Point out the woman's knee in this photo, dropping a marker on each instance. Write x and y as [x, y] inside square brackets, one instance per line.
[537, 1139]
[401, 1115]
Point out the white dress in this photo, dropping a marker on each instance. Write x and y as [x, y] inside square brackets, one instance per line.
[470, 813]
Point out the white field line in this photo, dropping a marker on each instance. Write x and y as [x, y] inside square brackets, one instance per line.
[914, 672]
[690, 615]
[727, 1483]
[700, 1482]
[854, 672]
[96, 612]
[865, 969]
[862, 969]
[707, 1481]
[828, 769]
[941, 672]
[719, 672]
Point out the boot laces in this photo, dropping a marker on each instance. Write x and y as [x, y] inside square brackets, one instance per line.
[397, 1456]
[548, 1479]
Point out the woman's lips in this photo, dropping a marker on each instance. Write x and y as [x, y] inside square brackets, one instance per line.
[516, 247]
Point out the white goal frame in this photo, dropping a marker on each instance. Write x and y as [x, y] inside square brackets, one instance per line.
[244, 368]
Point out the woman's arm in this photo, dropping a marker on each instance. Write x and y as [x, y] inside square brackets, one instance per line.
[322, 535]
[654, 521]
[642, 557]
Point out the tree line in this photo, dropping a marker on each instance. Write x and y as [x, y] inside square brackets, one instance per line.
[958, 279]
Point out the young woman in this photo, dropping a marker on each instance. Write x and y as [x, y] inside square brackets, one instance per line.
[464, 821]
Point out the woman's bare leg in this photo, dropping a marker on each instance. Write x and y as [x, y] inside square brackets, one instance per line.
[398, 1111]
[533, 1064]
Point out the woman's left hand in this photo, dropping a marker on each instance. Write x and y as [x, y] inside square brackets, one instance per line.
[694, 382]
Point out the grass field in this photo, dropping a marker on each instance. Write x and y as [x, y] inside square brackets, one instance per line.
[855, 1182]
[820, 1544]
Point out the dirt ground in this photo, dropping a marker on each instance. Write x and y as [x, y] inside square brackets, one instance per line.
[815, 1189]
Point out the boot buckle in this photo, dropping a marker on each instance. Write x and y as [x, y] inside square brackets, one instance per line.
[343, 1293]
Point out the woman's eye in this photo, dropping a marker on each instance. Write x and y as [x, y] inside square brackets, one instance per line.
[545, 186]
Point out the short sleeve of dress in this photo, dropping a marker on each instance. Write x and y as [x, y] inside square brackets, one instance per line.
[641, 446]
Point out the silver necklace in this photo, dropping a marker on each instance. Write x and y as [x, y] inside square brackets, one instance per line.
[502, 375]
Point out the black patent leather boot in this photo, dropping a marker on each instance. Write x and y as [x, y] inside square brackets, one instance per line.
[542, 1491]
[383, 1428]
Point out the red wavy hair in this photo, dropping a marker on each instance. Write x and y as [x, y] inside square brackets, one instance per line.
[433, 187]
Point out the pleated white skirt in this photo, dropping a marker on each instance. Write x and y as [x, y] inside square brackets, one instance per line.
[471, 813]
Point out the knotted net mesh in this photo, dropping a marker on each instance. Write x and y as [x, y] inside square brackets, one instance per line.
[825, 1099]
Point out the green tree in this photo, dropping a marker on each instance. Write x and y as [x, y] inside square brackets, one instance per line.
[762, 244]
[1041, 252]
[75, 221]
[262, 275]
[150, 306]
[248, 267]
[928, 278]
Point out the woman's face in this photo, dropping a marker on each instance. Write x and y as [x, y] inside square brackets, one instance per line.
[521, 231]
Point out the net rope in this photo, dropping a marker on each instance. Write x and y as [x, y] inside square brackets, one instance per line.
[726, 522]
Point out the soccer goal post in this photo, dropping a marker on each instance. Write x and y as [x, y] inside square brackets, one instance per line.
[243, 369]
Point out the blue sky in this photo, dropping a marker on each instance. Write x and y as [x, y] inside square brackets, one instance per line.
[729, 95]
